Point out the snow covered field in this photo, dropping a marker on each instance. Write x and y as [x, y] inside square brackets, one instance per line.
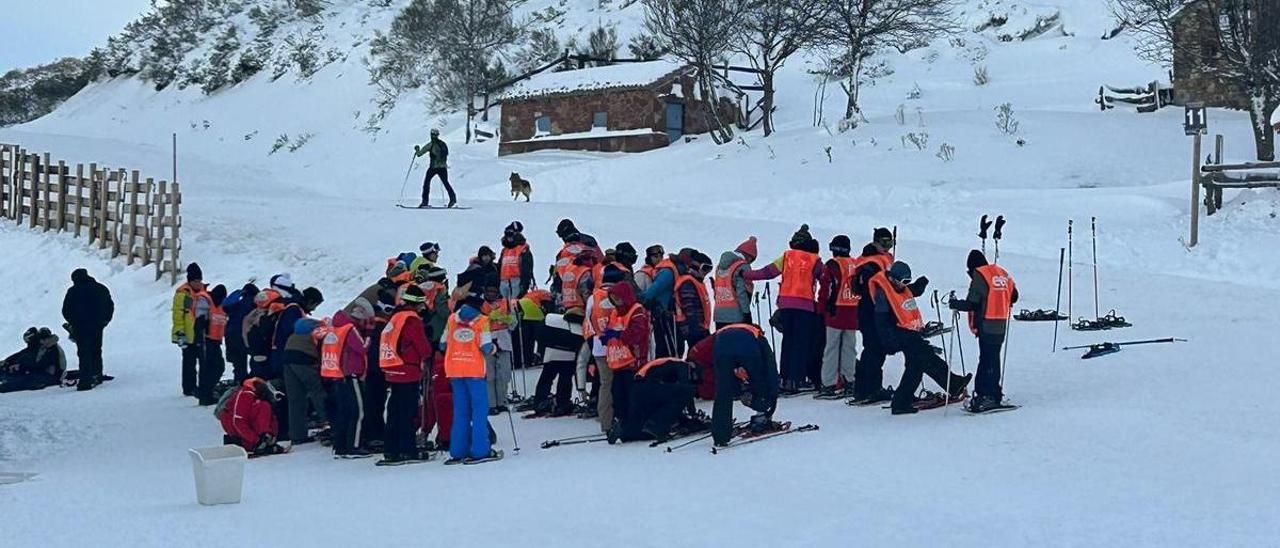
[1157, 445]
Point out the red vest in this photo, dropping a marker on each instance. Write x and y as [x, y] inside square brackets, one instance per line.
[509, 262]
[905, 310]
[999, 295]
[722, 286]
[846, 296]
[797, 274]
[331, 347]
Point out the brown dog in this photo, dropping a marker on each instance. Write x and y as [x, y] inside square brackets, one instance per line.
[520, 186]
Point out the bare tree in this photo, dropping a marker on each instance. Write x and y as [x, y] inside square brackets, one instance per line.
[699, 32]
[774, 30]
[857, 29]
[1239, 45]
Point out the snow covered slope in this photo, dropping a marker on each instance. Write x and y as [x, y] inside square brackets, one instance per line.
[1157, 445]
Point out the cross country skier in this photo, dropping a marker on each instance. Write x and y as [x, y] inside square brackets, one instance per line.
[745, 370]
[560, 336]
[498, 363]
[302, 381]
[403, 356]
[898, 323]
[659, 280]
[868, 380]
[800, 268]
[599, 312]
[438, 154]
[467, 343]
[840, 314]
[732, 293]
[991, 296]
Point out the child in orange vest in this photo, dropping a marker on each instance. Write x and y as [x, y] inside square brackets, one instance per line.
[467, 343]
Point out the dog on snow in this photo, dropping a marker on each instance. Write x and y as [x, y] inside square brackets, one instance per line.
[520, 187]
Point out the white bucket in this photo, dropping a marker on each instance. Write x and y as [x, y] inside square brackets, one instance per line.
[219, 473]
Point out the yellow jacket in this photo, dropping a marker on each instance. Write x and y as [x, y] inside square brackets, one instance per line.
[184, 314]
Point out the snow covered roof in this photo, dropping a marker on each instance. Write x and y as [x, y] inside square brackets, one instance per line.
[613, 77]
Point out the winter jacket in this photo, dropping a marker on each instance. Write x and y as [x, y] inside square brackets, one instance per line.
[657, 296]
[844, 317]
[773, 270]
[560, 339]
[285, 322]
[526, 261]
[184, 314]
[300, 348]
[37, 359]
[635, 334]
[861, 283]
[371, 296]
[741, 290]
[246, 418]
[437, 152]
[414, 350]
[692, 328]
[703, 358]
[438, 317]
[892, 338]
[354, 358]
[481, 277]
[237, 306]
[87, 307]
[976, 301]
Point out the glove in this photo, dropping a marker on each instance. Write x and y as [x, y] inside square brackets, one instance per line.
[417, 150]
[181, 340]
[954, 304]
[918, 286]
[609, 335]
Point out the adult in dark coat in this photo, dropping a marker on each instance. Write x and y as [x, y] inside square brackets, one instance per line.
[238, 305]
[88, 309]
[38, 365]
[746, 370]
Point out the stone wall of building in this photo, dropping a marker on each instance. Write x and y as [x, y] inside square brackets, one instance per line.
[1195, 57]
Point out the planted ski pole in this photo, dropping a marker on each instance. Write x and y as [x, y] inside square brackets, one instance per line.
[756, 296]
[997, 235]
[983, 224]
[768, 302]
[1093, 232]
[1057, 308]
[1102, 349]
[894, 250]
[514, 441]
[405, 184]
[1070, 271]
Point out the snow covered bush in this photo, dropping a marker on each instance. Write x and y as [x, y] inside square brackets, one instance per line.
[980, 76]
[27, 94]
[602, 43]
[1004, 119]
[218, 71]
[918, 140]
[946, 152]
[281, 142]
[645, 46]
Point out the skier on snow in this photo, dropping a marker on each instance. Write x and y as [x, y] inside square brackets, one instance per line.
[438, 155]
[800, 268]
[868, 381]
[40, 364]
[839, 306]
[991, 296]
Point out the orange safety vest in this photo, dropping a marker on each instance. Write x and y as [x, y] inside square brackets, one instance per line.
[509, 262]
[702, 295]
[599, 315]
[905, 310]
[797, 274]
[743, 326]
[723, 293]
[846, 295]
[570, 298]
[217, 323]
[389, 344]
[463, 357]
[618, 354]
[564, 259]
[331, 347]
[999, 295]
[644, 369]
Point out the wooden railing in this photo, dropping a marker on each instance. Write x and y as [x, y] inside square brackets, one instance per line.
[114, 209]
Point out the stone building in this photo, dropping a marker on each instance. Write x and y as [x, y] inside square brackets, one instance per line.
[1196, 61]
[627, 107]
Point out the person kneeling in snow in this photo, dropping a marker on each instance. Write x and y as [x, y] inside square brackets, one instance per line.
[660, 393]
[745, 370]
[247, 418]
[38, 365]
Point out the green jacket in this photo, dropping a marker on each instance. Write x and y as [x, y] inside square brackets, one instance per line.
[438, 151]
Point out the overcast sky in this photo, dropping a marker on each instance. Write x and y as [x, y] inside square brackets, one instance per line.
[39, 31]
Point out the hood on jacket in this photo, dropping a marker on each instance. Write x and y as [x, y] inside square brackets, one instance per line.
[512, 239]
[624, 295]
[80, 276]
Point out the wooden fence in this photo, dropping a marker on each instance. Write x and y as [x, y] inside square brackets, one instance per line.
[114, 209]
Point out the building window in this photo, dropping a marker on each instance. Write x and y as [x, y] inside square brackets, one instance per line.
[542, 125]
[600, 120]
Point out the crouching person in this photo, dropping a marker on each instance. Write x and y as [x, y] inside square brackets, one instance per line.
[248, 421]
[468, 342]
[745, 370]
[40, 364]
[343, 364]
[660, 393]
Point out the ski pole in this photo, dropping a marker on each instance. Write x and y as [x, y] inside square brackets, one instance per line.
[1093, 230]
[524, 358]
[512, 421]
[1062, 252]
[768, 302]
[671, 448]
[1070, 269]
[982, 232]
[756, 296]
[404, 185]
[997, 235]
[894, 250]
[937, 309]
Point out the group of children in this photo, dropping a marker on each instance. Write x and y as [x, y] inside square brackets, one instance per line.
[411, 355]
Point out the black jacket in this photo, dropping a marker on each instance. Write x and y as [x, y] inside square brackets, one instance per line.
[88, 306]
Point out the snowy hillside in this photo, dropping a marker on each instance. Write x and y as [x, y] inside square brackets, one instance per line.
[1158, 445]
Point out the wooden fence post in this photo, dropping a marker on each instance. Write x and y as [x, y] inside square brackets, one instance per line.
[158, 226]
[133, 218]
[78, 193]
[45, 208]
[93, 202]
[104, 198]
[36, 167]
[18, 171]
[1195, 191]
[176, 246]
[4, 196]
[146, 221]
[62, 196]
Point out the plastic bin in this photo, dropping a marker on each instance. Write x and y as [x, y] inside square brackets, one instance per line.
[219, 473]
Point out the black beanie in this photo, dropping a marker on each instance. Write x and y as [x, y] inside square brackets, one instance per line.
[194, 274]
[612, 274]
[840, 245]
[219, 294]
[900, 271]
[515, 226]
[312, 296]
[976, 259]
[800, 237]
[625, 253]
[881, 232]
[810, 245]
[565, 228]
[484, 251]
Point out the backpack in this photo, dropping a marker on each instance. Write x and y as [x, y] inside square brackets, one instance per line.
[259, 331]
